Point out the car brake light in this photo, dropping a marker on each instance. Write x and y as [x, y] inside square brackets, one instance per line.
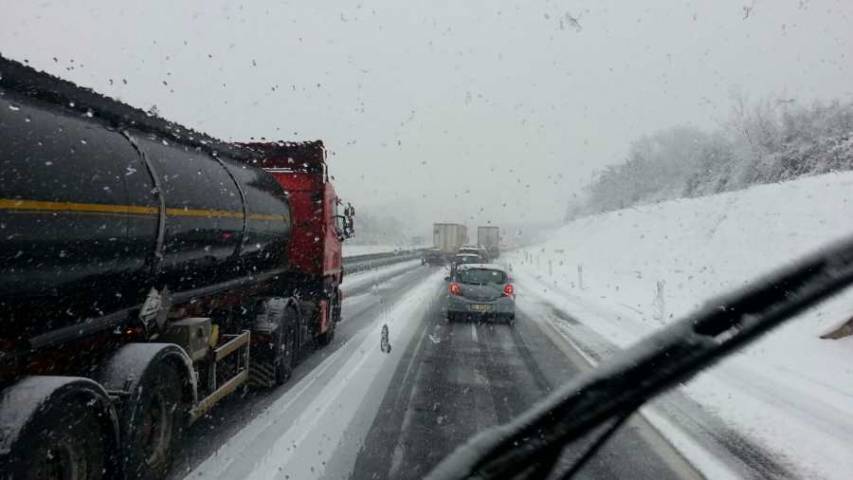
[454, 289]
[508, 290]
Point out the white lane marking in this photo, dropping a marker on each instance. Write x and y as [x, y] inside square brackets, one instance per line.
[474, 332]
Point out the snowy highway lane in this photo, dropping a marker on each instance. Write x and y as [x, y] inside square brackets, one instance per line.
[223, 435]
[353, 411]
[459, 378]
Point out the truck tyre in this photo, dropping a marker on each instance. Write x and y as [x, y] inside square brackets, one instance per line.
[337, 305]
[157, 388]
[275, 323]
[326, 337]
[155, 419]
[335, 312]
[285, 344]
[64, 442]
[58, 427]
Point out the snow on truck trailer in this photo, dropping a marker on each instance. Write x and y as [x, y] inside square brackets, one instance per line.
[146, 272]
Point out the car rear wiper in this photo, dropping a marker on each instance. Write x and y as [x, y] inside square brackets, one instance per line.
[602, 399]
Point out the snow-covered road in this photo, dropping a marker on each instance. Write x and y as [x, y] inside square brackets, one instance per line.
[239, 435]
[323, 417]
[355, 411]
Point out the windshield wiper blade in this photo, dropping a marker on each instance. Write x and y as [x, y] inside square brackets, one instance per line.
[529, 446]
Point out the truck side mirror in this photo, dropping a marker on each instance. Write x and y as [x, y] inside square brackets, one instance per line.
[344, 227]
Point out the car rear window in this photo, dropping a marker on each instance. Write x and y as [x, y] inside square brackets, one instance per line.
[480, 276]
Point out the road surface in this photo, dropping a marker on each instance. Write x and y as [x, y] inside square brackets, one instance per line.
[459, 378]
[361, 305]
[450, 380]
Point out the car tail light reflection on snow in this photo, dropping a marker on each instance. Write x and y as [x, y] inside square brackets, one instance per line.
[508, 290]
[454, 289]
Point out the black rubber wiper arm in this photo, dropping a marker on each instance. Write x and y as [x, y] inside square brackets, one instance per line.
[529, 445]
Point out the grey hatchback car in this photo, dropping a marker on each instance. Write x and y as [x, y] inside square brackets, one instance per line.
[481, 290]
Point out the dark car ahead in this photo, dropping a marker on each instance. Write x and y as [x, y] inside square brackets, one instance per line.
[480, 290]
[434, 256]
[464, 259]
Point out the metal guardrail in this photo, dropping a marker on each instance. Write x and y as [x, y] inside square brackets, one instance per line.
[360, 263]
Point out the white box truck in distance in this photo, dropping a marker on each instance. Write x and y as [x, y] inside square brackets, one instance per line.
[448, 237]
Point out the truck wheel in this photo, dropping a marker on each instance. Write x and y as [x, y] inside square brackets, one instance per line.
[285, 345]
[326, 337]
[66, 442]
[156, 419]
[336, 305]
[335, 312]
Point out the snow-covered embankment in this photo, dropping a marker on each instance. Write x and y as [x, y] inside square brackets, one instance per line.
[627, 273]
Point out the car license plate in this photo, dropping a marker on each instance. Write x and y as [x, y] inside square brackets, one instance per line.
[482, 308]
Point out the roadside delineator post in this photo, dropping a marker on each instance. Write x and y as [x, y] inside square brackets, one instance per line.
[659, 303]
[580, 276]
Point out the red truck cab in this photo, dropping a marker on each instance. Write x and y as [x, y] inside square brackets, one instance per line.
[320, 221]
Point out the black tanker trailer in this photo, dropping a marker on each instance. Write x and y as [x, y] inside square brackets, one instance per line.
[93, 218]
[139, 263]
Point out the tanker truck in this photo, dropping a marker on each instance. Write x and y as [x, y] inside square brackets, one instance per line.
[147, 271]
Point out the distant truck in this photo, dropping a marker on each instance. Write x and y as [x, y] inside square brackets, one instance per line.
[489, 238]
[447, 238]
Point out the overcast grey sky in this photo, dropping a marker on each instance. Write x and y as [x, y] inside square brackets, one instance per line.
[481, 110]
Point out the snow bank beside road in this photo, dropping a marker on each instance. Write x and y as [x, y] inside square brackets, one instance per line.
[627, 273]
[359, 281]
